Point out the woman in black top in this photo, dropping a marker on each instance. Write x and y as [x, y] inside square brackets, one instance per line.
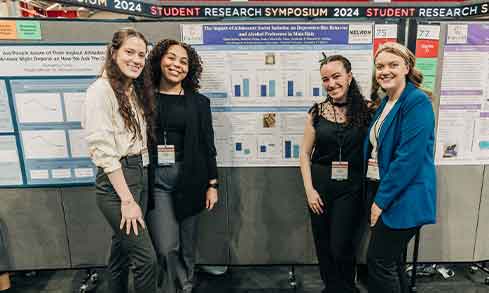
[331, 167]
[185, 176]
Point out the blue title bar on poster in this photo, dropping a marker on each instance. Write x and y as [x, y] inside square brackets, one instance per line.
[147, 9]
[280, 34]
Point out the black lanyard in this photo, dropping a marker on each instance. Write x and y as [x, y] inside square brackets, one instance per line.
[341, 142]
[165, 119]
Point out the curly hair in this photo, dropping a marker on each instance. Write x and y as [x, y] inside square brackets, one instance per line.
[357, 112]
[142, 85]
[191, 82]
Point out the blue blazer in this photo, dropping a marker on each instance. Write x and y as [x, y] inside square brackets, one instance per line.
[407, 187]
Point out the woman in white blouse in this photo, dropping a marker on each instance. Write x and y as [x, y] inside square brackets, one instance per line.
[118, 109]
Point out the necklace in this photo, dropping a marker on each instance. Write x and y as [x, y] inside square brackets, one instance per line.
[337, 104]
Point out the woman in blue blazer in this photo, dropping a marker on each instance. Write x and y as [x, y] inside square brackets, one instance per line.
[401, 183]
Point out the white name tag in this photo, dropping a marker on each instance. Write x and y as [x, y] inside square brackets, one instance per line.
[166, 155]
[373, 170]
[145, 157]
[339, 170]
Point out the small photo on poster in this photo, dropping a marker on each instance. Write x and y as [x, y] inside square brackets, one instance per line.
[269, 120]
[450, 150]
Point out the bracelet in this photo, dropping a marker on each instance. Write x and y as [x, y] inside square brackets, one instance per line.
[213, 185]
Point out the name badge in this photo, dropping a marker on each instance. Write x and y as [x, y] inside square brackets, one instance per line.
[166, 155]
[145, 157]
[339, 170]
[373, 170]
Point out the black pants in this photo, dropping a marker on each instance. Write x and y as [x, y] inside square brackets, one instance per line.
[385, 259]
[335, 237]
[129, 249]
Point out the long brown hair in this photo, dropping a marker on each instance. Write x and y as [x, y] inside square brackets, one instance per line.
[142, 85]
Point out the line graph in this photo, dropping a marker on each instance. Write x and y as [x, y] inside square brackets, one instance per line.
[39, 107]
[44, 144]
[78, 145]
[73, 105]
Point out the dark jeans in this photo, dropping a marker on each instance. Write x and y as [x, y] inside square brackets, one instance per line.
[336, 237]
[385, 259]
[127, 250]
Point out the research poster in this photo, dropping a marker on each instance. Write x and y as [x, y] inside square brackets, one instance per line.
[463, 118]
[263, 78]
[42, 89]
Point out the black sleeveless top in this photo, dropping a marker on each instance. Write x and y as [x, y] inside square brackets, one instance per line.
[329, 136]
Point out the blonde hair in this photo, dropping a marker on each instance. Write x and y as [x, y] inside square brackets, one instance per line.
[414, 75]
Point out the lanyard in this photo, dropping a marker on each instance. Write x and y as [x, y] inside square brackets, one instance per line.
[337, 132]
[165, 119]
[377, 131]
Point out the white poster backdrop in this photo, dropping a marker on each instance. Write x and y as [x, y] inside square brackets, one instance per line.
[463, 118]
[262, 79]
[47, 85]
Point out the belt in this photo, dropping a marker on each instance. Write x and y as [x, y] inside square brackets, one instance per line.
[132, 160]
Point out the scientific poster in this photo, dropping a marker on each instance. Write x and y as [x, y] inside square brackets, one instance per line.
[262, 79]
[43, 87]
[463, 119]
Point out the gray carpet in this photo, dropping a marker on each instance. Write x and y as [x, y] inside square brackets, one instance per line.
[261, 279]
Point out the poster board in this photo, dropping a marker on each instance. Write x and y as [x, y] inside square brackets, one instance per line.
[263, 77]
[42, 89]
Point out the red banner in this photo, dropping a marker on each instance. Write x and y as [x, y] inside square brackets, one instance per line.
[427, 48]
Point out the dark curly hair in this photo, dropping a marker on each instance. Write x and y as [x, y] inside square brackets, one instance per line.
[191, 82]
[142, 85]
[357, 113]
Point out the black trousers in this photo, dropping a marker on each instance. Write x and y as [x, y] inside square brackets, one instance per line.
[385, 259]
[129, 249]
[336, 237]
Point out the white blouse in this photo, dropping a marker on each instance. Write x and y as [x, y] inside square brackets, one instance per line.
[107, 138]
[377, 126]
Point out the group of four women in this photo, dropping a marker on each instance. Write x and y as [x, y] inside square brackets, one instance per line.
[148, 123]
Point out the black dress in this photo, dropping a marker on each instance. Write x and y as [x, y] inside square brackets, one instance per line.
[336, 230]
[329, 136]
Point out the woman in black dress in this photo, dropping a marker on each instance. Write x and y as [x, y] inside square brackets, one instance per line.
[331, 167]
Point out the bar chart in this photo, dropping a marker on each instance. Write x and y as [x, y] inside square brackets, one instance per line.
[241, 88]
[291, 147]
[316, 85]
[268, 88]
[268, 147]
[294, 84]
[243, 147]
